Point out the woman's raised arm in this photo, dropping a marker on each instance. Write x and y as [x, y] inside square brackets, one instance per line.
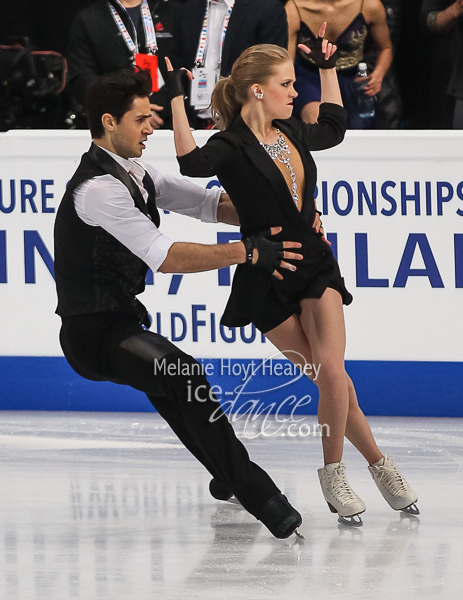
[184, 140]
[193, 161]
[324, 55]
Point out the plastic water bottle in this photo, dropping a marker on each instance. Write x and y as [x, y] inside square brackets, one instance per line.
[366, 104]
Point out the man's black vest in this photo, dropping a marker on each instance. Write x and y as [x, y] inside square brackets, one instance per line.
[94, 272]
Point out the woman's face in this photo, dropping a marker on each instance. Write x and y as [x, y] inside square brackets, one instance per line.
[279, 92]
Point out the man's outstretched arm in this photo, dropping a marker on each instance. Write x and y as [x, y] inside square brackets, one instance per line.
[106, 202]
[186, 257]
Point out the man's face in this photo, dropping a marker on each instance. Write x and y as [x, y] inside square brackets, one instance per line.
[128, 136]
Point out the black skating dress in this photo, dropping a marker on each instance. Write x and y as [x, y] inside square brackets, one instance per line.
[262, 199]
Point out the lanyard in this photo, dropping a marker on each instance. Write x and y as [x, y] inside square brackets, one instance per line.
[148, 27]
[199, 62]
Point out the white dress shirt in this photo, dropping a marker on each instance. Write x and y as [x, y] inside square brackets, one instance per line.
[217, 12]
[105, 202]
[213, 57]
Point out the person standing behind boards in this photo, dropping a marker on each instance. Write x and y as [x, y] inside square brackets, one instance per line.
[446, 17]
[210, 35]
[108, 36]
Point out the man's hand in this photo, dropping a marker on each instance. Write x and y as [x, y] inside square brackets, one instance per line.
[266, 254]
[156, 122]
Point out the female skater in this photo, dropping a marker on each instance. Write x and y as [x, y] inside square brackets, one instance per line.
[263, 160]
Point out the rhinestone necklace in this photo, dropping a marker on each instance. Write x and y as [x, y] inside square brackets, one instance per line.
[281, 151]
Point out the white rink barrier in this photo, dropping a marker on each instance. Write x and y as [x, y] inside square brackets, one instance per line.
[393, 210]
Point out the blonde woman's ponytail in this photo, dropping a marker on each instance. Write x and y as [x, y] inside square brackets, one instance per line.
[255, 65]
[225, 106]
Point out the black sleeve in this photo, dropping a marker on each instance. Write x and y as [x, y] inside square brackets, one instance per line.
[274, 28]
[328, 131]
[83, 69]
[179, 58]
[207, 161]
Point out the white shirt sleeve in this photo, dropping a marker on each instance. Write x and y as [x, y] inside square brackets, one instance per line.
[184, 197]
[106, 202]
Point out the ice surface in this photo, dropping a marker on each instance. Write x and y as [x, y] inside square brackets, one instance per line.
[96, 506]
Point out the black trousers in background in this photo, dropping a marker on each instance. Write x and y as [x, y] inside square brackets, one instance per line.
[113, 346]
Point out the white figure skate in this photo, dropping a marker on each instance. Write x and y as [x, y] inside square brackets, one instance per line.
[394, 488]
[340, 496]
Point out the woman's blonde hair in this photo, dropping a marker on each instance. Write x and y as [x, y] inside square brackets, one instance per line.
[255, 65]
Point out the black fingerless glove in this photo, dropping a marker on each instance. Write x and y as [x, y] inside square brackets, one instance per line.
[177, 82]
[317, 57]
[270, 253]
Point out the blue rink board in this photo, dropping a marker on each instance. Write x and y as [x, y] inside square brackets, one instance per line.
[428, 389]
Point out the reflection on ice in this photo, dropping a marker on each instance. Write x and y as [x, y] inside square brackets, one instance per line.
[111, 506]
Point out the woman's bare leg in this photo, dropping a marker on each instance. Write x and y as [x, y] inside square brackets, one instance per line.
[358, 430]
[291, 339]
[322, 321]
[309, 114]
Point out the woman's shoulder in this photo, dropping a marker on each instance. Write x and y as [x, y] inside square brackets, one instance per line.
[326, 108]
[226, 138]
[234, 134]
[291, 123]
[373, 11]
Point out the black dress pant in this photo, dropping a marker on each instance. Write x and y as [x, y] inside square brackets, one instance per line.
[113, 346]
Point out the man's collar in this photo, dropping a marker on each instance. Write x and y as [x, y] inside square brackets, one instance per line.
[128, 164]
[122, 161]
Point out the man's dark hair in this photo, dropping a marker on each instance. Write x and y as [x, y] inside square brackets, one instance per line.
[114, 94]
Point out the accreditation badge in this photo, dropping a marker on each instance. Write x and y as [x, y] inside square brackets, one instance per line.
[202, 87]
[149, 62]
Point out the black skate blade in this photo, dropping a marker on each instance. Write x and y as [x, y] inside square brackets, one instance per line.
[298, 534]
[354, 521]
[411, 510]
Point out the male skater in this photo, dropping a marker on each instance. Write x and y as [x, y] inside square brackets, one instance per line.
[106, 237]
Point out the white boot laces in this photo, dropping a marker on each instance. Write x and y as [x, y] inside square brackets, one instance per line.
[341, 486]
[394, 480]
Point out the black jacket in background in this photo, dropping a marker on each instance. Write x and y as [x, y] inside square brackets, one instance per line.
[251, 22]
[455, 46]
[96, 46]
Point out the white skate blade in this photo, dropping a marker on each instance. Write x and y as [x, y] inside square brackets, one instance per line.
[350, 521]
[354, 521]
[234, 500]
[411, 510]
